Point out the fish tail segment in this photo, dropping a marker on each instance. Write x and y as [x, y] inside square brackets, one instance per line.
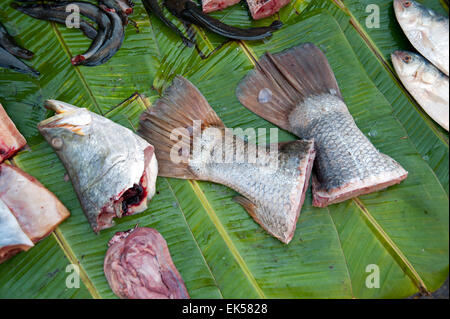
[281, 81]
[169, 125]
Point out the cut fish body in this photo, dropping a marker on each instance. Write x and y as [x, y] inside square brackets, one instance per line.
[10, 138]
[305, 99]
[12, 238]
[273, 187]
[112, 169]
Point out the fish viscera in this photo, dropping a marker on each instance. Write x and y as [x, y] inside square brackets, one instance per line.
[138, 265]
[297, 90]
[28, 211]
[112, 169]
[273, 183]
[426, 83]
[11, 140]
[427, 31]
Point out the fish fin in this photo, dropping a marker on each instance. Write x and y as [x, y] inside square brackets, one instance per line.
[249, 206]
[281, 81]
[172, 117]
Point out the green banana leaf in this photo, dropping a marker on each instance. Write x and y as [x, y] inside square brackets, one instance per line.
[217, 247]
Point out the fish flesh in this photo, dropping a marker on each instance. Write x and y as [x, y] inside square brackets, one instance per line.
[28, 211]
[138, 265]
[297, 91]
[13, 239]
[11, 141]
[188, 11]
[10, 45]
[427, 31]
[214, 5]
[427, 84]
[112, 169]
[45, 12]
[123, 7]
[9, 61]
[273, 183]
[265, 8]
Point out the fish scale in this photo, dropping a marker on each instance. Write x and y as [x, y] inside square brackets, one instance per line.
[305, 99]
[272, 184]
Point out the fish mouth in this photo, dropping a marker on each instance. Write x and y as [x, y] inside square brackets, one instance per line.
[67, 116]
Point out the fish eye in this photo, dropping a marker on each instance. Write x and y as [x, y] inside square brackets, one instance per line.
[407, 4]
[407, 59]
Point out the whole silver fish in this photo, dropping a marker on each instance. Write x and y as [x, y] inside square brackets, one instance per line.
[112, 169]
[272, 185]
[297, 90]
[426, 83]
[427, 31]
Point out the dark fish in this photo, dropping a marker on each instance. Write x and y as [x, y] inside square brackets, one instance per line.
[153, 6]
[44, 12]
[9, 61]
[189, 11]
[96, 14]
[8, 43]
[111, 45]
[28, 211]
[112, 169]
[272, 183]
[297, 90]
[11, 140]
[138, 265]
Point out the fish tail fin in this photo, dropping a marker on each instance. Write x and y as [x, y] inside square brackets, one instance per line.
[168, 125]
[281, 81]
[282, 222]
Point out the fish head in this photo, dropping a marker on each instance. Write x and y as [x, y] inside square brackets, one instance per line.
[408, 11]
[406, 63]
[68, 121]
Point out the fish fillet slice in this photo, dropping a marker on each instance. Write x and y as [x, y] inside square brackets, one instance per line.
[10, 138]
[265, 8]
[214, 5]
[12, 238]
[297, 90]
[37, 210]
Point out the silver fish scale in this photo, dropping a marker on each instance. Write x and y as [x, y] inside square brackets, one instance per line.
[344, 153]
[269, 188]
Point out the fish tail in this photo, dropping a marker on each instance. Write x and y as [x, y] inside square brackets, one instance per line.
[168, 125]
[281, 81]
